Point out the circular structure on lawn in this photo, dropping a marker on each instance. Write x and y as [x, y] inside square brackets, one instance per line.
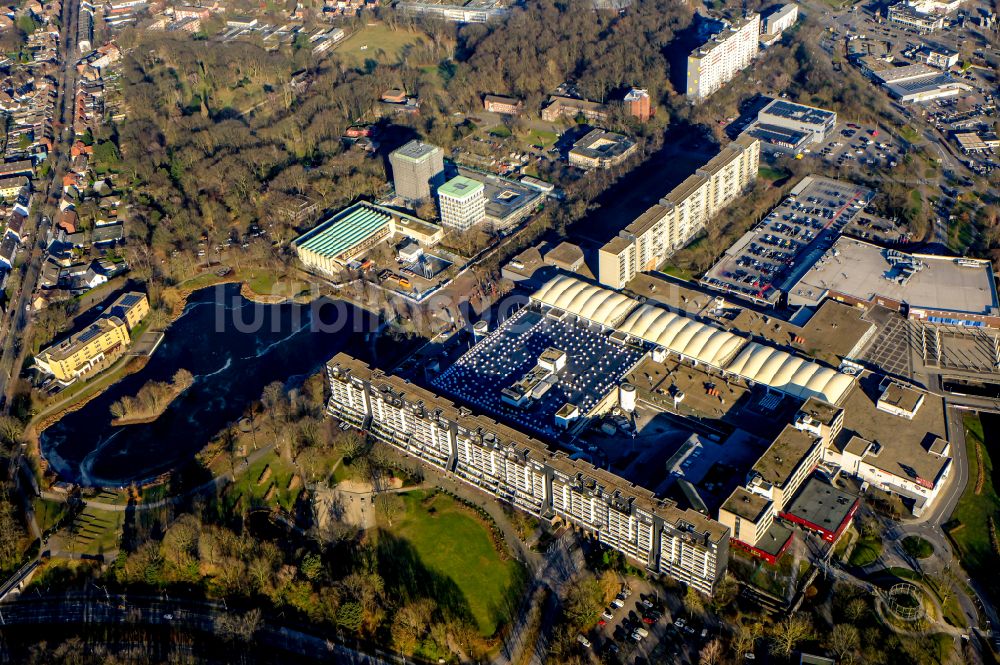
[905, 601]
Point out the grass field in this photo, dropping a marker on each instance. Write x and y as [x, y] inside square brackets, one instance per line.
[48, 513]
[374, 42]
[437, 547]
[93, 532]
[540, 138]
[969, 527]
[917, 547]
[909, 134]
[261, 282]
[768, 173]
[248, 493]
[678, 272]
[866, 552]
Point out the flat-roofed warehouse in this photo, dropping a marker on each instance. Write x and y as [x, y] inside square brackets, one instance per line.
[938, 289]
[351, 232]
[816, 123]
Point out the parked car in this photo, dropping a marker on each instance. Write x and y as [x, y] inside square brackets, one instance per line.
[607, 615]
[617, 604]
[583, 640]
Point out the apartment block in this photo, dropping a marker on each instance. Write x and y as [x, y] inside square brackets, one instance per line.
[416, 168]
[780, 19]
[515, 468]
[680, 215]
[717, 61]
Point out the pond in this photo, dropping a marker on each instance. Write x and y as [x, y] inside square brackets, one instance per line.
[233, 347]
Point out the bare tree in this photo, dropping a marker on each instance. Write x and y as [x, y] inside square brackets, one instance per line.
[788, 632]
[711, 653]
[844, 641]
[390, 506]
[746, 637]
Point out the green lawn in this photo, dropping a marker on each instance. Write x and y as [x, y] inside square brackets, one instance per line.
[93, 532]
[768, 173]
[247, 493]
[345, 471]
[452, 558]
[917, 547]
[262, 282]
[48, 513]
[866, 552]
[374, 42]
[909, 134]
[541, 138]
[501, 131]
[969, 527]
[678, 272]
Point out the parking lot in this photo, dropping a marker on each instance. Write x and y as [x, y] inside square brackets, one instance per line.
[866, 147]
[643, 626]
[800, 229]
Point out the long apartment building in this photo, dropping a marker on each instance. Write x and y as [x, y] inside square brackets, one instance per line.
[717, 61]
[513, 467]
[657, 233]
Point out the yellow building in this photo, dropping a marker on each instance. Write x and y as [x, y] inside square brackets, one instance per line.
[97, 345]
[11, 187]
[131, 307]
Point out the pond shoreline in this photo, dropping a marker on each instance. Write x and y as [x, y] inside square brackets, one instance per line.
[268, 356]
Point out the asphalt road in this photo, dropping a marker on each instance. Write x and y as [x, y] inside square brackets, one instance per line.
[13, 351]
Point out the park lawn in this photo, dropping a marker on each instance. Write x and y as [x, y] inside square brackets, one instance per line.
[248, 494]
[200, 282]
[917, 547]
[379, 40]
[960, 235]
[866, 552]
[345, 471]
[94, 531]
[48, 513]
[455, 544]
[772, 174]
[261, 281]
[969, 526]
[541, 138]
[678, 272]
[909, 134]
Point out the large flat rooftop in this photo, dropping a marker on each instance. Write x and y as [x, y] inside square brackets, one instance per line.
[821, 504]
[905, 443]
[415, 151]
[796, 233]
[863, 271]
[508, 358]
[786, 110]
[778, 463]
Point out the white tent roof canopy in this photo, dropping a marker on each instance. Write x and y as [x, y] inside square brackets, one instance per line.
[682, 335]
[791, 374]
[690, 338]
[591, 302]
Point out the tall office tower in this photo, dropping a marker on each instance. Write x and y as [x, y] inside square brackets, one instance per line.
[463, 203]
[417, 168]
